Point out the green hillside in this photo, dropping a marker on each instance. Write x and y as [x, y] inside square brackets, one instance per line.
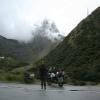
[79, 53]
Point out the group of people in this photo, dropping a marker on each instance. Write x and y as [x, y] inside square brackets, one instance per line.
[46, 75]
[55, 73]
[52, 73]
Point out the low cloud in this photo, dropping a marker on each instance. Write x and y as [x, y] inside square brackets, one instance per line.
[17, 17]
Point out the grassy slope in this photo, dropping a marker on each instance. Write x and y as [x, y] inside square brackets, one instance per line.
[79, 53]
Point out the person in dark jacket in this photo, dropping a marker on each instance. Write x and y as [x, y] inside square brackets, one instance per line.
[43, 75]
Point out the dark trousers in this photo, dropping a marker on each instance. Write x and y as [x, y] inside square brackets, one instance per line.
[43, 83]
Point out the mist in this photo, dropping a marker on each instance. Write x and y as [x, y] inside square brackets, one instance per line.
[18, 17]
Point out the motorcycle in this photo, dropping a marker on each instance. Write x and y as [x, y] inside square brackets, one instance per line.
[60, 81]
[28, 78]
[57, 79]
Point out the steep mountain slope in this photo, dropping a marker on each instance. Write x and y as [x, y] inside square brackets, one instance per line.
[79, 53]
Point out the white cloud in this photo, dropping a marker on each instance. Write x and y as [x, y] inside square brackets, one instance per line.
[18, 16]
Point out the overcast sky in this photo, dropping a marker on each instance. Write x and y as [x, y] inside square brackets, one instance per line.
[17, 17]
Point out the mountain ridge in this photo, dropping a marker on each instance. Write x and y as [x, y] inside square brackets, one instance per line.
[79, 53]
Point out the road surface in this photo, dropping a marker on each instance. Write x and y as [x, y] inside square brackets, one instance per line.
[10, 91]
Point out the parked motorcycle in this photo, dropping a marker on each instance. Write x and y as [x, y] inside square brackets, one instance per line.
[27, 78]
[60, 81]
[57, 79]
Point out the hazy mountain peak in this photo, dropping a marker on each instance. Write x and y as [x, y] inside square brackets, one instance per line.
[47, 29]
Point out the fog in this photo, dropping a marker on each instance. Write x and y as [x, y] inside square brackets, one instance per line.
[18, 17]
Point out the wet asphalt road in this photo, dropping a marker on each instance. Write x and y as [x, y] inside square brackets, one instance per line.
[10, 91]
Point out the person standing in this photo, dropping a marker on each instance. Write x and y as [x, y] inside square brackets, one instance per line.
[43, 72]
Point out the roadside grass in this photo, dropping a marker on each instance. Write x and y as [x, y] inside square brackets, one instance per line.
[15, 76]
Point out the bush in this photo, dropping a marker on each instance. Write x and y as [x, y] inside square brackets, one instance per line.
[15, 78]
